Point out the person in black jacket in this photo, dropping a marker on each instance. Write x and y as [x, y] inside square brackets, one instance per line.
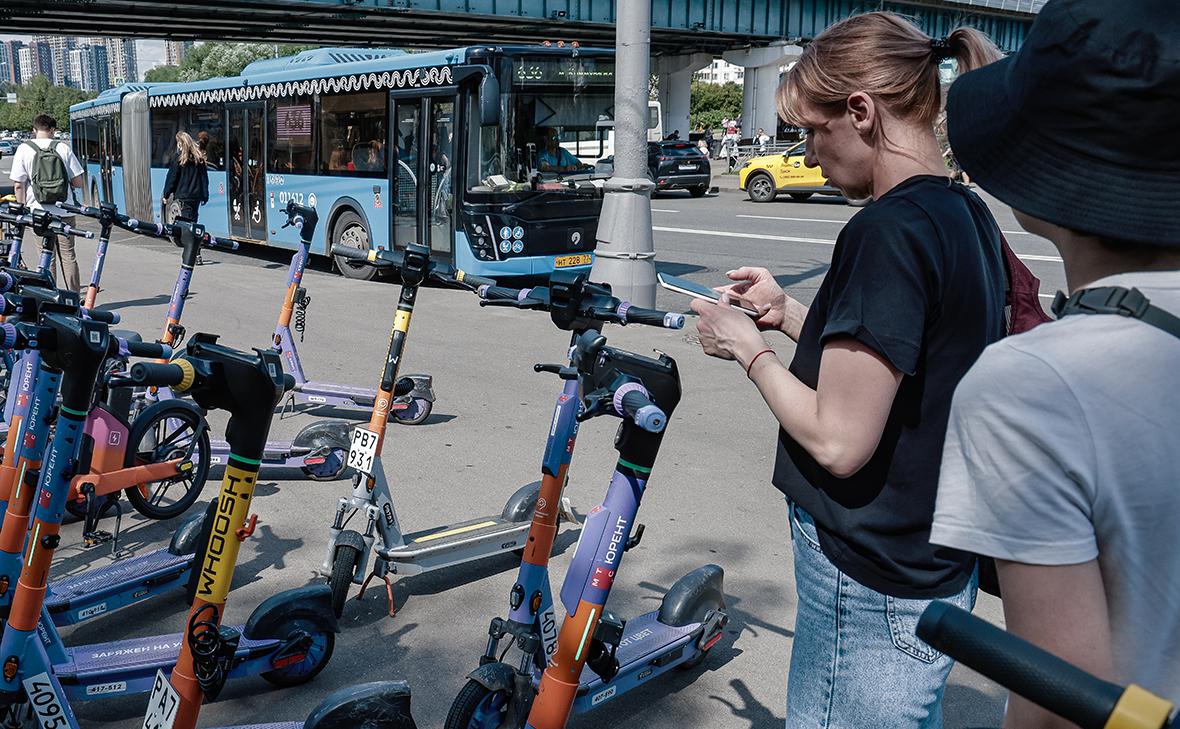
[188, 179]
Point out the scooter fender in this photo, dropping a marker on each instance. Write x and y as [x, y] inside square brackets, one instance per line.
[495, 677]
[519, 507]
[188, 536]
[312, 603]
[691, 598]
[333, 433]
[383, 704]
[423, 388]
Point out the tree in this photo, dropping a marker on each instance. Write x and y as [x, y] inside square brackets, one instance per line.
[163, 73]
[210, 60]
[710, 103]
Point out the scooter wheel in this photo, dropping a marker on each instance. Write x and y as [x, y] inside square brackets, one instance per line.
[318, 654]
[340, 581]
[477, 707]
[333, 466]
[415, 414]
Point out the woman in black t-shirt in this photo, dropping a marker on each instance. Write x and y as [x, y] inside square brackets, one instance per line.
[914, 293]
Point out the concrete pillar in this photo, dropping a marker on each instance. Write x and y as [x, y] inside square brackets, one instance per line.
[761, 83]
[675, 87]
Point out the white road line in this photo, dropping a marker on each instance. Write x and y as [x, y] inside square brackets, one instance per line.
[663, 210]
[842, 222]
[793, 239]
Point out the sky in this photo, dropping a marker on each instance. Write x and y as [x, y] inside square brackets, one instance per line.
[149, 53]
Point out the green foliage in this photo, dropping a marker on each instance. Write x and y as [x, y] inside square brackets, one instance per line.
[210, 60]
[163, 73]
[40, 97]
[710, 103]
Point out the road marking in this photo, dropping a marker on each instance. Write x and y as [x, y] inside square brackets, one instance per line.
[842, 222]
[815, 241]
[663, 210]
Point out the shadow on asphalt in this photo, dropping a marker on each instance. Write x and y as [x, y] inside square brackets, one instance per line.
[790, 279]
[755, 714]
[673, 268]
[156, 300]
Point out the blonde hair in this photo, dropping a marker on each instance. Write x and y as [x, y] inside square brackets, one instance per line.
[885, 56]
[190, 151]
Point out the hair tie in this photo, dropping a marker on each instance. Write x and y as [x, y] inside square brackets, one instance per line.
[941, 48]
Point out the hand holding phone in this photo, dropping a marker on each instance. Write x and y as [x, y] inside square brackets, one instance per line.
[698, 291]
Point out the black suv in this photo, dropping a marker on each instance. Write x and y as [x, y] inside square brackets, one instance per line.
[674, 165]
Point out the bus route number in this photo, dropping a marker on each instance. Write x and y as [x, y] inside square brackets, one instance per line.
[162, 705]
[50, 713]
[363, 451]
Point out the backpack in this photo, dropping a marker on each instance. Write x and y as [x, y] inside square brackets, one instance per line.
[48, 174]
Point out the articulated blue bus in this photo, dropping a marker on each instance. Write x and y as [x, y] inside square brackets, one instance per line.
[390, 147]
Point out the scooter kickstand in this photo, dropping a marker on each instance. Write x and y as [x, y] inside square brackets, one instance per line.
[388, 591]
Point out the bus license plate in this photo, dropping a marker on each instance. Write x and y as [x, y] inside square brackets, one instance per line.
[581, 259]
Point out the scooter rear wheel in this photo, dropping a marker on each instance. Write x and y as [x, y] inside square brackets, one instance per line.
[477, 707]
[163, 432]
[416, 414]
[340, 581]
[318, 655]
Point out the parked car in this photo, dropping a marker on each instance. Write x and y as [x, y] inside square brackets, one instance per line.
[8, 146]
[673, 165]
[763, 178]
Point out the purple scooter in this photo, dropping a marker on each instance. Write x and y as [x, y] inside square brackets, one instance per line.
[410, 408]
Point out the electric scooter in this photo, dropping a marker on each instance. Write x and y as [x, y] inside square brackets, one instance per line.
[300, 632]
[289, 637]
[596, 656]
[346, 561]
[1041, 677]
[411, 409]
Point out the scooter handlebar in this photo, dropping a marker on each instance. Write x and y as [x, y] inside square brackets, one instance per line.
[632, 402]
[353, 254]
[476, 282]
[150, 350]
[156, 374]
[651, 317]
[225, 244]
[8, 336]
[106, 317]
[1035, 674]
[502, 293]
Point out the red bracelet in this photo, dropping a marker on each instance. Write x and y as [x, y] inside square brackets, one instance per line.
[751, 365]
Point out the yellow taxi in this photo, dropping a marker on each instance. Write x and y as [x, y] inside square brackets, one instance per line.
[764, 177]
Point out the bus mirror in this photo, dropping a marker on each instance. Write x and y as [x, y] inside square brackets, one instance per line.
[489, 101]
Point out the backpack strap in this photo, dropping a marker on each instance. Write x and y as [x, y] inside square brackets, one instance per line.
[1116, 300]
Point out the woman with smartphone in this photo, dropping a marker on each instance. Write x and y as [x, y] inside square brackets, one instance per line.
[914, 293]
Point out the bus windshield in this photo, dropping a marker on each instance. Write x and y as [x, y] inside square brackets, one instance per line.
[550, 106]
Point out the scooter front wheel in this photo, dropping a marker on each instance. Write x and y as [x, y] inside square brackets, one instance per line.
[415, 414]
[340, 581]
[303, 669]
[166, 431]
[477, 707]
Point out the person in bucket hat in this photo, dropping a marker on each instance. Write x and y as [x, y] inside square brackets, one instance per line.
[1061, 458]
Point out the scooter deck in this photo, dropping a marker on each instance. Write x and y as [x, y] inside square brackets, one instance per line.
[135, 657]
[280, 453]
[452, 544]
[317, 393]
[646, 641]
[280, 725]
[110, 587]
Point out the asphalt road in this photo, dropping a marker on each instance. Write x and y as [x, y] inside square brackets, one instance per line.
[710, 498]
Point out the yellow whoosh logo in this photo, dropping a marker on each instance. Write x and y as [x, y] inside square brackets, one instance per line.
[221, 554]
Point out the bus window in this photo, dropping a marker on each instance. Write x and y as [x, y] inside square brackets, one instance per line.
[165, 124]
[207, 126]
[290, 136]
[352, 134]
[90, 137]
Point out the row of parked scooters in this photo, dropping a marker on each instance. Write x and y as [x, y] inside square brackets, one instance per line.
[85, 425]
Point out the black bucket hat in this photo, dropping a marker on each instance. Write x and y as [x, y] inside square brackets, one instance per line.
[1081, 127]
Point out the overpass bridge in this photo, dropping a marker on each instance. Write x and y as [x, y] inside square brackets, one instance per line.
[686, 35]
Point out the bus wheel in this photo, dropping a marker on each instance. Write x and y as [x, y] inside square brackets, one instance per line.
[350, 230]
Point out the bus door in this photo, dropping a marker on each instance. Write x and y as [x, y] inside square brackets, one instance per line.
[246, 171]
[106, 158]
[422, 161]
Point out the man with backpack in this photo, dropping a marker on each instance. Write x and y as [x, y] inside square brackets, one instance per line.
[1060, 458]
[43, 171]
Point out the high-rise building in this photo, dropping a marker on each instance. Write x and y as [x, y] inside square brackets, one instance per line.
[80, 69]
[174, 51]
[10, 55]
[99, 66]
[59, 58]
[40, 61]
[121, 60]
[25, 64]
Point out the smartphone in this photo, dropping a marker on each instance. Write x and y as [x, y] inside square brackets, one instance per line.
[697, 291]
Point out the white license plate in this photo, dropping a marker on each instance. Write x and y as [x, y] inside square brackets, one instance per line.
[50, 713]
[162, 704]
[363, 450]
[687, 167]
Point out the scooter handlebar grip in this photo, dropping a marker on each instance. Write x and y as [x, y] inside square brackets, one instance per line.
[7, 336]
[652, 317]
[472, 280]
[106, 317]
[1035, 674]
[631, 401]
[502, 293]
[151, 350]
[7, 282]
[156, 374]
[226, 244]
[78, 209]
[353, 254]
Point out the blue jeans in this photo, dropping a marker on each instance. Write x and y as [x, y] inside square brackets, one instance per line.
[856, 662]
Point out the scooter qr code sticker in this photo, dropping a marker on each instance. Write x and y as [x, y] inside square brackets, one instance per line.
[162, 705]
[363, 450]
[50, 713]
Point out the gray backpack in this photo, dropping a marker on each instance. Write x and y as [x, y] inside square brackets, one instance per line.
[48, 174]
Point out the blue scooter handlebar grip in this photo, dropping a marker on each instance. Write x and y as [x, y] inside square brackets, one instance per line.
[502, 293]
[7, 282]
[653, 317]
[8, 336]
[106, 317]
[225, 244]
[1035, 674]
[156, 374]
[152, 350]
[632, 402]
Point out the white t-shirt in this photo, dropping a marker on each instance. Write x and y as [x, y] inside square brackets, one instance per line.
[1064, 446]
[22, 163]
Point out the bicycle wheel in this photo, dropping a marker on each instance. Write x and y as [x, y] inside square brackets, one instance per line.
[167, 431]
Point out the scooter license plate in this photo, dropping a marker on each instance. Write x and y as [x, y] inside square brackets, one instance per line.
[363, 450]
[162, 704]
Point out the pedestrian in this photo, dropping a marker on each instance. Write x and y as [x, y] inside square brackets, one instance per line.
[762, 139]
[188, 178]
[1061, 458]
[914, 292]
[710, 145]
[43, 171]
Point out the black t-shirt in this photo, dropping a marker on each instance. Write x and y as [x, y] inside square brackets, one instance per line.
[918, 277]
